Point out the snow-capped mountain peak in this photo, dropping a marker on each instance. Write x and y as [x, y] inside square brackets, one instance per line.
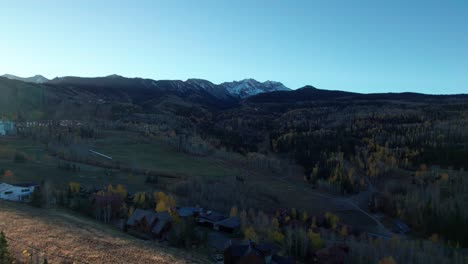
[250, 87]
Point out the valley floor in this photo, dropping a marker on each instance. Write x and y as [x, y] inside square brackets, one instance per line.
[64, 237]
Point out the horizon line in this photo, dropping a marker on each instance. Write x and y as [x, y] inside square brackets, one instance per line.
[244, 79]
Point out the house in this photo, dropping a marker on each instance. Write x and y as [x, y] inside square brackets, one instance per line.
[209, 218]
[7, 128]
[162, 225]
[188, 211]
[17, 192]
[149, 224]
[230, 225]
[218, 221]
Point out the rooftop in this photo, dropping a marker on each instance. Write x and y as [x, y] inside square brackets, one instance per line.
[188, 211]
[212, 216]
[231, 222]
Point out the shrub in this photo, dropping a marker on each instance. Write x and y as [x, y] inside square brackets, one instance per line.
[4, 251]
[19, 157]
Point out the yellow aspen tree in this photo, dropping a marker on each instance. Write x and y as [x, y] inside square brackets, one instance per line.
[74, 187]
[294, 213]
[110, 189]
[315, 171]
[276, 236]
[275, 224]
[344, 231]
[305, 216]
[250, 234]
[387, 260]
[121, 191]
[314, 223]
[161, 206]
[315, 240]
[234, 212]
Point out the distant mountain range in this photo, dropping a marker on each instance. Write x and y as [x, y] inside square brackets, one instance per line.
[239, 89]
[34, 79]
[116, 97]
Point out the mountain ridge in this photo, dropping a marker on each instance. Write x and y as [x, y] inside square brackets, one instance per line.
[34, 79]
[241, 89]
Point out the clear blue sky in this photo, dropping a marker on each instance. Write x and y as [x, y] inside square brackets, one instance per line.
[363, 46]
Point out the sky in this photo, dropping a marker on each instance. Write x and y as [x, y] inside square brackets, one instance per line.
[361, 46]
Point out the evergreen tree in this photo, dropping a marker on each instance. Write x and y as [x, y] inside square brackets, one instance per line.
[4, 253]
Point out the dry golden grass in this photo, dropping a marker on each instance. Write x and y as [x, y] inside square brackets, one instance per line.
[79, 240]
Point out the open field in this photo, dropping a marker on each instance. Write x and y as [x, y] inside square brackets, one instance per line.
[156, 155]
[62, 236]
[127, 148]
[43, 167]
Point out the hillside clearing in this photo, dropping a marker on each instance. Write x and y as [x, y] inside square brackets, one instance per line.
[76, 239]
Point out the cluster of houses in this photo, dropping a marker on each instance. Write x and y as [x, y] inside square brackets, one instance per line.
[149, 224]
[17, 192]
[152, 224]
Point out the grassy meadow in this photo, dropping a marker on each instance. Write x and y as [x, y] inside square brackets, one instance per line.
[129, 149]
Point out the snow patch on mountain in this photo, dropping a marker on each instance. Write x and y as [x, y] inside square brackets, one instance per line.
[250, 87]
[203, 85]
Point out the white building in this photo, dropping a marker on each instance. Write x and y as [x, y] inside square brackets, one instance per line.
[17, 192]
[7, 128]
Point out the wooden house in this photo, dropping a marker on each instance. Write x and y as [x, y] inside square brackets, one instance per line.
[149, 224]
[229, 225]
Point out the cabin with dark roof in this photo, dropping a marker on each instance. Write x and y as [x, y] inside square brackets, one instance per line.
[162, 225]
[229, 225]
[149, 224]
[209, 218]
[188, 211]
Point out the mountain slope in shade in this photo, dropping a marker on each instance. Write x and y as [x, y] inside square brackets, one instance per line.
[250, 87]
[139, 90]
[34, 79]
[310, 93]
[20, 99]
